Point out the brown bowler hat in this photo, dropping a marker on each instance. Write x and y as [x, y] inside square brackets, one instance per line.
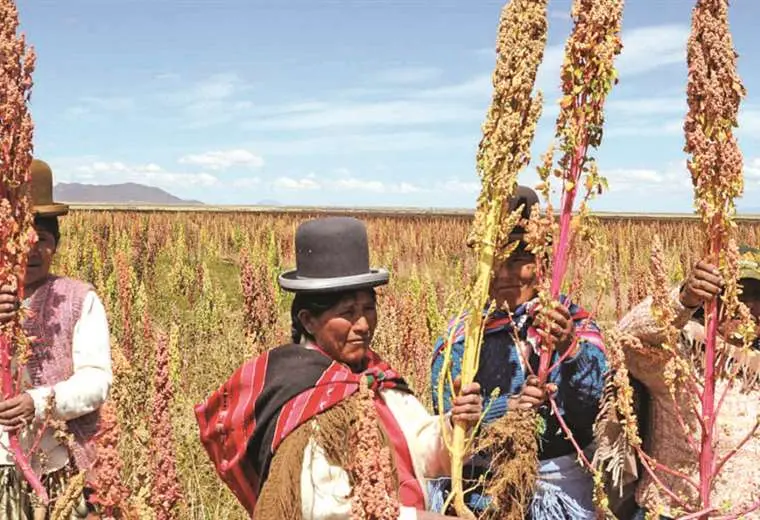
[42, 192]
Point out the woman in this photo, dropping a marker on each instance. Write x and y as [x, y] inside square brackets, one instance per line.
[739, 482]
[71, 361]
[564, 489]
[279, 432]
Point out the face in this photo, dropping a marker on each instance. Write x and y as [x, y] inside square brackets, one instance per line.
[345, 331]
[514, 280]
[751, 296]
[40, 258]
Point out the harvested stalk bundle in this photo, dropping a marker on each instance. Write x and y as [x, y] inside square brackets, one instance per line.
[16, 231]
[513, 443]
[503, 152]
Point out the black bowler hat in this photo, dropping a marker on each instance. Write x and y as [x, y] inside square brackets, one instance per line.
[525, 198]
[332, 254]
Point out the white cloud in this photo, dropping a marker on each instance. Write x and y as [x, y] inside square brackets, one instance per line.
[477, 88]
[341, 144]
[359, 185]
[645, 49]
[458, 186]
[373, 114]
[246, 182]
[673, 177]
[224, 159]
[752, 168]
[749, 121]
[648, 106]
[645, 128]
[97, 171]
[406, 187]
[632, 176]
[214, 100]
[345, 181]
[217, 86]
[649, 48]
[98, 105]
[305, 183]
[407, 75]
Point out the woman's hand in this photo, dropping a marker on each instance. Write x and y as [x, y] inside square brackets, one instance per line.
[533, 395]
[468, 404]
[9, 304]
[556, 326]
[17, 411]
[702, 286]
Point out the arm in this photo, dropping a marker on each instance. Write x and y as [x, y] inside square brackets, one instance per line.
[424, 433]
[641, 323]
[325, 489]
[87, 389]
[457, 351]
[582, 385]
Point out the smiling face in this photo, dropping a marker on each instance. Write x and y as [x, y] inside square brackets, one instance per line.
[345, 330]
[514, 280]
[40, 258]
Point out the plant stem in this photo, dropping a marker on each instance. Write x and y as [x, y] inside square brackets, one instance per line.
[22, 461]
[707, 454]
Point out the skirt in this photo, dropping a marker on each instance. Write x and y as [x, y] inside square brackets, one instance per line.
[19, 502]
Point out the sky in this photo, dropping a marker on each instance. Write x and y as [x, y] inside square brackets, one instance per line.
[345, 102]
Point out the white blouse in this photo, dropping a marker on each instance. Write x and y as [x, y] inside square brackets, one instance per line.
[84, 392]
[325, 488]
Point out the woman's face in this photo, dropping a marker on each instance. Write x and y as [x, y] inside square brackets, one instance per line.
[751, 296]
[514, 280]
[40, 258]
[345, 331]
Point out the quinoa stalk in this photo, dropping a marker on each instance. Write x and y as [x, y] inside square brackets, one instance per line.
[16, 231]
[714, 93]
[503, 152]
[588, 75]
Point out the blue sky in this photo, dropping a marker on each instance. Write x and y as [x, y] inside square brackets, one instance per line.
[343, 102]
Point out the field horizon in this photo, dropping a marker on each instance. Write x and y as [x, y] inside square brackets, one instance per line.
[364, 210]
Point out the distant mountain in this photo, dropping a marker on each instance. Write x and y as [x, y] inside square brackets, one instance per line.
[268, 202]
[127, 193]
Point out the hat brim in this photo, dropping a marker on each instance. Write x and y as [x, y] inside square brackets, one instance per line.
[290, 281]
[50, 210]
[749, 274]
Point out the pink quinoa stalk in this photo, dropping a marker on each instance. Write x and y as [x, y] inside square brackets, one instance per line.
[110, 494]
[714, 94]
[373, 496]
[588, 75]
[16, 231]
[166, 492]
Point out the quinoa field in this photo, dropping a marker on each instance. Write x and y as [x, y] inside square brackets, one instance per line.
[190, 295]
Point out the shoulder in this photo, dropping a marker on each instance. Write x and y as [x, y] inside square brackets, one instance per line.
[72, 287]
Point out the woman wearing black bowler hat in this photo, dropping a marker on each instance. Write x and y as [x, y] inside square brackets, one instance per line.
[275, 430]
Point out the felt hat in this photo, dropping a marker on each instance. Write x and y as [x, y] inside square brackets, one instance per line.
[43, 204]
[525, 198]
[332, 254]
[749, 263]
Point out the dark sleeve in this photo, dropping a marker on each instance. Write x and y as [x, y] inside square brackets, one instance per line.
[581, 387]
[457, 351]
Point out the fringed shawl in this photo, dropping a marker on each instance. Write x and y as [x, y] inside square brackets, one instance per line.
[243, 423]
